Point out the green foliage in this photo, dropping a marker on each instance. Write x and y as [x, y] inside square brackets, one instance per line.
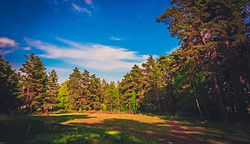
[112, 98]
[95, 93]
[133, 104]
[8, 87]
[63, 96]
[77, 91]
[51, 99]
[33, 84]
[214, 36]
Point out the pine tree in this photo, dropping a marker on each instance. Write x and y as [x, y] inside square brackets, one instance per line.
[33, 83]
[8, 87]
[152, 84]
[85, 84]
[214, 36]
[112, 98]
[76, 99]
[95, 93]
[63, 97]
[51, 101]
[133, 103]
[131, 81]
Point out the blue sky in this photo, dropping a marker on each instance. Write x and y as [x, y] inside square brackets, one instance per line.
[106, 37]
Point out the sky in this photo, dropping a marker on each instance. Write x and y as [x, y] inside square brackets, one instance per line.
[106, 37]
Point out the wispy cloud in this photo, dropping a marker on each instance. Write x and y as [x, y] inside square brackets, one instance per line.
[7, 42]
[90, 56]
[116, 38]
[27, 48]
[80, 9]
[89, 2]
[7, 45]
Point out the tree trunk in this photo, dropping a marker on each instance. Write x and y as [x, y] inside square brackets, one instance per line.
[222, 107]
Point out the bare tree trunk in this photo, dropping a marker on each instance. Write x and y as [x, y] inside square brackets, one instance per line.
[198, 106]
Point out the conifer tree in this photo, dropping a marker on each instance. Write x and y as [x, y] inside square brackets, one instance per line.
[33, 83]
[76, 98]
[63, 97]
[133, 103]
[51, 99]
[131, 81]
[214, 36]
[8, 87]
[112, 98]
[95, 93]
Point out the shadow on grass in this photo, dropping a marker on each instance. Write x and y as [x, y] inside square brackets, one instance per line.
[50, 129]
[216, 132]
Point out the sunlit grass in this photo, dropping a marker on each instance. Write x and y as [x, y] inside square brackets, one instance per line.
[113, 128]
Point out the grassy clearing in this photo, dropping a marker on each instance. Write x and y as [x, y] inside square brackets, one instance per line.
[114, 128]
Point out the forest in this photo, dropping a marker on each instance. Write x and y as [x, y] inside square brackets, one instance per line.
[206, 78]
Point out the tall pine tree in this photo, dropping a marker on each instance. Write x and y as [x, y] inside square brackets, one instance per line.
[8, 87]
[33, 83]
[51, 99]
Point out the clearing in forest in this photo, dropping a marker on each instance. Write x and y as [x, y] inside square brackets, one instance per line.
[114, 128]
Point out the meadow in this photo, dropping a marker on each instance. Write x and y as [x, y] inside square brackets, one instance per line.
[116, 128]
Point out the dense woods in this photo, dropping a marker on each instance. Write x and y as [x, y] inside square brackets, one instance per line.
[208, 76]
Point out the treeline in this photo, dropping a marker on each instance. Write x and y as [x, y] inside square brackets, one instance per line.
[208, 76]
[32, 90]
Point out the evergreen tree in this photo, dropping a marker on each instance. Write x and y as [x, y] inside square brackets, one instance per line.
[85, 84]
[76, 98]
[133, 103]
[63, 97]
[51, 101]
[214, 36]
[131, 81]
[33, 83]
[152, 84]
[8, 87]
[95, 93]
[112, 98]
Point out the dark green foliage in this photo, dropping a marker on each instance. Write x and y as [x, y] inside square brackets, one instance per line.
[8, 87]
[33, 84]
[51, 99]
[112, 98]
[82, 92]
[214, 70]
[77, 91]
[95, 93]
[132, 81]
[133, 104]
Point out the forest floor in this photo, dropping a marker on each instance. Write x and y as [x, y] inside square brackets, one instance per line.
[116, 128]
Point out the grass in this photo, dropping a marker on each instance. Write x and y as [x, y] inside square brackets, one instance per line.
[116, 128]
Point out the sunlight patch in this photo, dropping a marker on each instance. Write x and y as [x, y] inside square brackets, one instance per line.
[113, 132]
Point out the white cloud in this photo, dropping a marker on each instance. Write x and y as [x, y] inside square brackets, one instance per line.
[90, 56]
[27, 48]
[89, 2]
[6, 42]
[7, 45]
[116, 38]
[81, 9]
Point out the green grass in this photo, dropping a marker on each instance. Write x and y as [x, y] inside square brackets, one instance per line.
[115, 128]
